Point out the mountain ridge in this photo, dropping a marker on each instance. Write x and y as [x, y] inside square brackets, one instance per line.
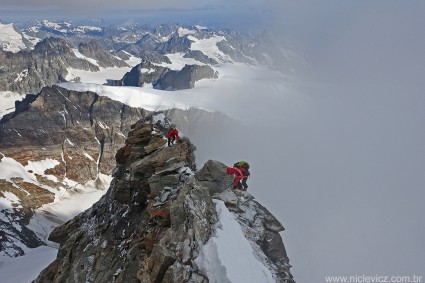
[157, 217]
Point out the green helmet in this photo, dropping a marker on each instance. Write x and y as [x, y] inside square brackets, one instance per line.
[242, 164]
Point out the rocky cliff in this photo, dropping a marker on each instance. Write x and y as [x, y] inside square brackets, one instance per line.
[104, 59]
[143, 73]
[28, 72]
[185, 78]
[59, 142]
[156, 218]
[164, 78]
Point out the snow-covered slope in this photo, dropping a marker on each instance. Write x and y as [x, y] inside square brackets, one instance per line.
[69, 199]
[236, 82]
[10, 39]
[227, 254]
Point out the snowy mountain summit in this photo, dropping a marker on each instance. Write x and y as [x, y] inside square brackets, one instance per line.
[161, 222]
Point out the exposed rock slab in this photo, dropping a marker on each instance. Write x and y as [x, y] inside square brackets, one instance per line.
[185, 78]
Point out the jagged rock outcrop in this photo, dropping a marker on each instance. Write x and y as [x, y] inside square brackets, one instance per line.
[164, 78]
[154, 57]
[155, 218]
[201, 57]
[174, 44]
[185, 78]
[29, 72]
[126, 238]
[143, 54]
[143, 73]
[104, 59]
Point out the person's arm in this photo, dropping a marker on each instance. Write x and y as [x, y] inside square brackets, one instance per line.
[177, 135]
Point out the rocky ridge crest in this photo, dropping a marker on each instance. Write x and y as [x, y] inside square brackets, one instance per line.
[155, 218]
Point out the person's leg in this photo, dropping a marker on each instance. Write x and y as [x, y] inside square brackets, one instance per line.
[239, 186]
[244, 184]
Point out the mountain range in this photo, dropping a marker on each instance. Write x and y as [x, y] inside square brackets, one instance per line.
[85, 145]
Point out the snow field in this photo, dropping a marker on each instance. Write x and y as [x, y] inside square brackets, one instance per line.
[7, 99]
[25, 269]
[10, 40]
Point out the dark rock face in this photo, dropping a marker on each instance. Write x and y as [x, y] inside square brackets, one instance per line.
[28, 72]
[185, 78]
[144, 55]
[103, 58]
[164, 78]
[148, 42]
[154, 57]
[201, 57]
[64, 122]
[145, 72]
[173, 45]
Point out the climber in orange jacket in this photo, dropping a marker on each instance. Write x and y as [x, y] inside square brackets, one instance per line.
[172, 135]
[241, 171]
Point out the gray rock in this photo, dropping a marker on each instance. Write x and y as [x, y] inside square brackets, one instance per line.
[143, 73]
[28, 72]
[158, 182]
[213, 176]
[185, 78]
[201, 57]
[104, 59]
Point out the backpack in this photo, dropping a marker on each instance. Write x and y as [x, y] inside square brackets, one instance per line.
[242, 164]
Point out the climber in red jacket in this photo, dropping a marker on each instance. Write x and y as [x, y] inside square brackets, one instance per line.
[241, 172]
[172, 135]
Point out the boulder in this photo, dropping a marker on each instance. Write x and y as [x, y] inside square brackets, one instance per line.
[213, 176]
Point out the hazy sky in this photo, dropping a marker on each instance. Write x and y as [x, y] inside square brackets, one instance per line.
[227, 13]
[339, 156]
[339, 153]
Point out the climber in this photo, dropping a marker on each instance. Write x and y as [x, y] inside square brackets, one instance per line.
[241, 171]
[173, 133]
